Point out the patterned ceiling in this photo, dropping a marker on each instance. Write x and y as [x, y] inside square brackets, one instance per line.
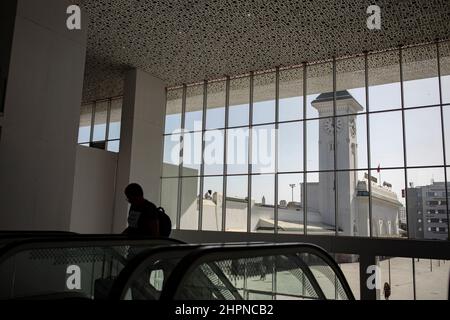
[186, 41]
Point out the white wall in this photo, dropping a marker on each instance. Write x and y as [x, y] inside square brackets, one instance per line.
[93, 191]
[42, 105]
[141, 146]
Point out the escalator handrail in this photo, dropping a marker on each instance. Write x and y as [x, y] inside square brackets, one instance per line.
[12, 248]
[6, 232]
[31, 234]
[216, 253]
[141, 261]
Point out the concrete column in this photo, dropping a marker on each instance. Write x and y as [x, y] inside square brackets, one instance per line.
[141, 143]
[368, 277]
[41, 115]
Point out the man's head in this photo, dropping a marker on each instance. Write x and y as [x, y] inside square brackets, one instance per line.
[134, 193]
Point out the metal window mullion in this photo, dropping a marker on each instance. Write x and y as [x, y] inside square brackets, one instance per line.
[202, 165]
[180, 167]
[250, 145]
[225, 154]
[369, 171]
[305, 157]
[91, 136]
[161, 171]
[414, 278]
[335, 151]
[277, 118]
[404, 139]
[108, 119]
[443, 136]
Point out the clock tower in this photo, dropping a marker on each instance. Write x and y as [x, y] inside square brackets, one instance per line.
[346, 151]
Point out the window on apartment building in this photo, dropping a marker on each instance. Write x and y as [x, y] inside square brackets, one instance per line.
[100, 124]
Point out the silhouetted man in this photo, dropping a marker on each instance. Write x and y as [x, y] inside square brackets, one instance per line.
[142, 217]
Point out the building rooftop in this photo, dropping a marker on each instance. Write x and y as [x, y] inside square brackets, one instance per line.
[328, 96]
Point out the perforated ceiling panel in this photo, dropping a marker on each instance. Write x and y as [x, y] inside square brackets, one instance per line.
[185, 41]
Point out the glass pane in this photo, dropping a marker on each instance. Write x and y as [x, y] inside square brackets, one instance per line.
[444, 62]
[44, 273]
[384, 81]
[252, 278]
[427, 205]
[215, 112]
[320, 203]
[169, 198]
[349, 264]
[237, 202]
[192, 153]
[320, 152]
[263, 149]
[264, 98]
[353, 204]
[114, 146]
[432, 278]
[84, 131]
[386, 139]
[101, 115]
[387, 202]
[189, 203]
[115, 119]
[213, 154]
[173, 110]
[212, 203]
[420, 76]
[194, 108]
[237, 150]
[424, 137]
[312, 144]
[291, 282]
[319, 84]
[239, 102]
[290, 209]
[398, 273]
[446, 113]
[171, 158]
[291, 94]
[262, 202]
[290, 147]
[326, 277]
[350, 86]
[351, 142]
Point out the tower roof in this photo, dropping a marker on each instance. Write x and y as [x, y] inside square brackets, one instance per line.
[328, 96]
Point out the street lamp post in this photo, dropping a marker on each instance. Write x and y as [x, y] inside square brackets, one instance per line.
[292, 185]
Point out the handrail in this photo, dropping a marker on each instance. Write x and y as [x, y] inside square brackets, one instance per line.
[14, 247]
[35, 232]
[141, 261]
[7, 235]
[138, 263]
[213, 253]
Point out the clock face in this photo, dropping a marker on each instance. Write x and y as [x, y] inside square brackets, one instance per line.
[328, 125]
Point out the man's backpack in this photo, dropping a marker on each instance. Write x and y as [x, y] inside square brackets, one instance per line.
[165, 224]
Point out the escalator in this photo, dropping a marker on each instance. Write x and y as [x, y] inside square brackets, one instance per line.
[293, 271]
[115, 267]
[40, 267]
